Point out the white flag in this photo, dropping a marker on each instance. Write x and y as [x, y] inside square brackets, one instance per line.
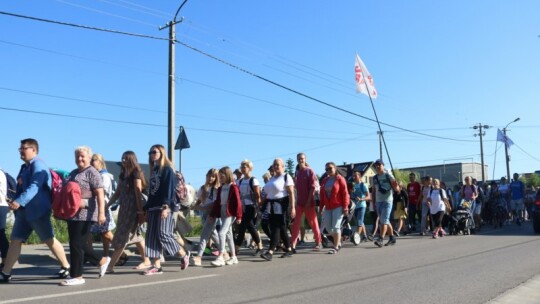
[503, 138]
[363, 77]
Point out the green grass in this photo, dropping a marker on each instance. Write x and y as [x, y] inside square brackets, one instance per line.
[59, 228]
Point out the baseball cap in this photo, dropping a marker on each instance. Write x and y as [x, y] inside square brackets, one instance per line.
[379, 161]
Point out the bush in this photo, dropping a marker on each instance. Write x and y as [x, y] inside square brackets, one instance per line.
[59, 228]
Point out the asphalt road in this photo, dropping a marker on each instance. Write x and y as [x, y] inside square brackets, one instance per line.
[453, 269]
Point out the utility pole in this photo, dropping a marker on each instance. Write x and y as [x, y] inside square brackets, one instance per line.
[171, 97]
[481, 134]
[506, 150]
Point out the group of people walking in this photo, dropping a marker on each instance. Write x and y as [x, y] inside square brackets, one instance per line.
[278, 206]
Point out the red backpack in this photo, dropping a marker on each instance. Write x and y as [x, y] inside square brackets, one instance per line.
[56, 184]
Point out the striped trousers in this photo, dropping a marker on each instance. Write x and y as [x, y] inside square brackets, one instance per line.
[160, 236]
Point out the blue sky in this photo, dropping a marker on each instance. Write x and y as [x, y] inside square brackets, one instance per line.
[440, 67]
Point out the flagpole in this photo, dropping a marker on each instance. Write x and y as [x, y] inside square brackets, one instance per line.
[379, 125]
[494, 161]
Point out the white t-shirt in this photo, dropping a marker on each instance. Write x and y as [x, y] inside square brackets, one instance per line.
[3, 189]
[276, 187]
[246, 193]
[224, 194]
[437, 204]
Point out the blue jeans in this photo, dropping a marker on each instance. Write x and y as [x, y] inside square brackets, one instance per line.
[384, 209]
[359, 215]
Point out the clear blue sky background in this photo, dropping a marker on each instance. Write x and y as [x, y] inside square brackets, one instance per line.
[440, 67]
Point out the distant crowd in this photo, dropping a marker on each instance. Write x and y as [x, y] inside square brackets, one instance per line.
[235, 210]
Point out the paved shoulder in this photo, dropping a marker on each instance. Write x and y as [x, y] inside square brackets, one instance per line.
[528, 292]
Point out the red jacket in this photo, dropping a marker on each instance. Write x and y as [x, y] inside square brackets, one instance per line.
[234, 205]
[68, 202]
[339, 196]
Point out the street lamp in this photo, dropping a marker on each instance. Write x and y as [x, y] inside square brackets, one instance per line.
[481, 134]
[506, 150]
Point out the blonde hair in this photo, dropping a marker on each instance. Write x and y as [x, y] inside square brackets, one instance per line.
[248, 163]
[162, 161]
[229, 176]
[84, 149]
[99, 158]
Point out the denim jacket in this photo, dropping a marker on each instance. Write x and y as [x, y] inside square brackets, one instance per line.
[33, 189]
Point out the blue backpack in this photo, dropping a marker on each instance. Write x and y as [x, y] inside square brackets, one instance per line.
[11, 186]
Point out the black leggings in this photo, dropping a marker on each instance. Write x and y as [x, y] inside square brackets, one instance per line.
[278, 225]
[248, 223]
[79, 248]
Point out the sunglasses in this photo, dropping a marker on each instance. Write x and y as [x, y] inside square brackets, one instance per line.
[153, 152]
[328, 169]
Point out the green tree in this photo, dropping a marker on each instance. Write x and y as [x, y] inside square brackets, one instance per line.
[533, 180]
[401, 176]
[289, 166]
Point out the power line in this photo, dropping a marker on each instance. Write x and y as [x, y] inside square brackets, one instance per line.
[235, 67]
[83, 26]
[164, 126]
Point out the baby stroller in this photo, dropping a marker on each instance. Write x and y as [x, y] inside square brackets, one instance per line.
[462, 219]
[347, 232]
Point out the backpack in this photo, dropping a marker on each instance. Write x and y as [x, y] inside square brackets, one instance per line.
[11, 186]
[56, 184]
[68, 201]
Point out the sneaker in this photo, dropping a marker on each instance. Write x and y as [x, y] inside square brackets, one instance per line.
[267, 256]
[370, 238]
[391, 242]
[4, 278]
[301, 242]
[396, 233]
[63, 273]
[72, 282]
[196, 261]
[287, 254]
[233, 260]
[293, 251]
[220, 261]
[378, 243]
[422, 233]
[435, 236]
[152, 271]
[184, 262]
[103, 268]
[317, 247]
[257, 252]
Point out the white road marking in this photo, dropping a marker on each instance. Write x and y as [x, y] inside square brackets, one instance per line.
[67, 294]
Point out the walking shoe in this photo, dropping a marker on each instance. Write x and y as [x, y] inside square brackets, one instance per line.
[4, 278]
[396, 233]
[287, 254]
[63, 273]
[267, 256]
[378, 243]
[257, 252]
[152, 271]
[435, 236]
[184, 262]
[293, 251]
[72, 282]
[220, 261]
[233, 260]
[103, 268]
[370, 238]
[391, 242]
[317, 247]
[196, 261]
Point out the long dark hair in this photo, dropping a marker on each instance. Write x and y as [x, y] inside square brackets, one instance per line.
[131, 168]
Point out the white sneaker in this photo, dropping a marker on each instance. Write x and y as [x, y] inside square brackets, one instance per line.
[218, 262]
[233, 260]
